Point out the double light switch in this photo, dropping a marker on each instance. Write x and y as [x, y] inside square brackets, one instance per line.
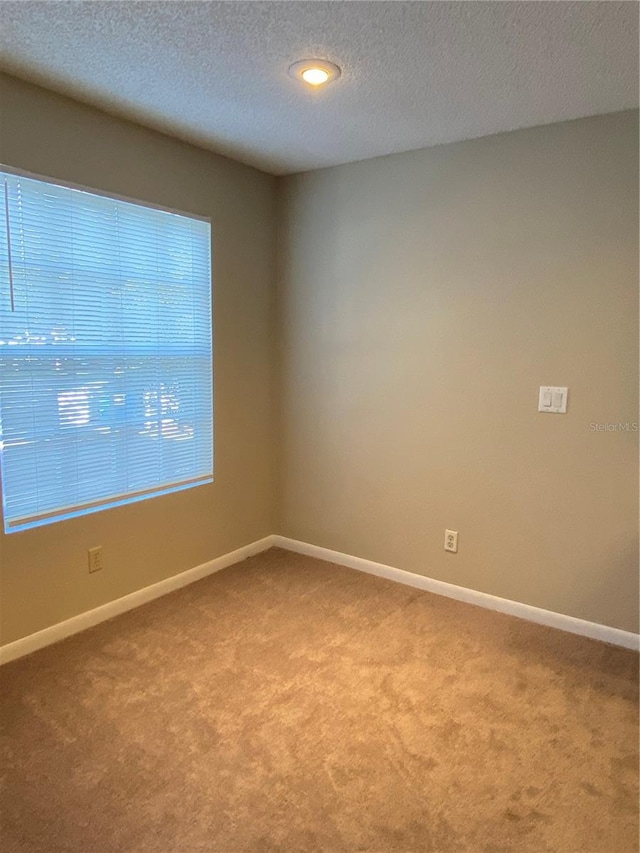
[553, 399]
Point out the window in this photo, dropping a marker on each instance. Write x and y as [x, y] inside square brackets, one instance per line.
[106, 391]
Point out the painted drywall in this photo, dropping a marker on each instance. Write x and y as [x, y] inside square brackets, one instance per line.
[44, 576]
[423, 299]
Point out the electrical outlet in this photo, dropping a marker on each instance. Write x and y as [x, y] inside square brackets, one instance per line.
[451, 541]
[95, 559]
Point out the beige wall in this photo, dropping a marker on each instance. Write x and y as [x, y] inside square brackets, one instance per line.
[423, 298]
[44, 571]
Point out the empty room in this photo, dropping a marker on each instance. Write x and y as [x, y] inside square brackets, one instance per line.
[319, 427]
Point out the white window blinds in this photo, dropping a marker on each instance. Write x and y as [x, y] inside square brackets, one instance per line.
[106, 391]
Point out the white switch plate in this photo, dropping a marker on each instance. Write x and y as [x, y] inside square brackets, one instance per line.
[553, 399]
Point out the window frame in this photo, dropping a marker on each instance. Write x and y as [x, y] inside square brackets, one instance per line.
[102, 504]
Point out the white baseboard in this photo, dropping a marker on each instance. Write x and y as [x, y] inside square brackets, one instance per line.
[615, 636]
[53, 634]
[47, 636]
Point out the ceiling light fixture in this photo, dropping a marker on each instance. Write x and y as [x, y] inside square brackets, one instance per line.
[314, 72]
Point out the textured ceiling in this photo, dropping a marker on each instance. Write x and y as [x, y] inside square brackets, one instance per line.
[414, 74]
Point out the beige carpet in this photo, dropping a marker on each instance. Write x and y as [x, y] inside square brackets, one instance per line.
[286, 704]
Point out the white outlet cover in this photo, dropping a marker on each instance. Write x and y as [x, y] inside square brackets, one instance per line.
[451, 541]
[553, 398]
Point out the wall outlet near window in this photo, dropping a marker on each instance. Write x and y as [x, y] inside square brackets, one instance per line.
[95, 559]
[451, 541]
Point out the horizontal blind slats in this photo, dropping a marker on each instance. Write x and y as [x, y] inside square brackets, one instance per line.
[106, 388]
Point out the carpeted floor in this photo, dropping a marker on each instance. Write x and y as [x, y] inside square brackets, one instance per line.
[287, 704]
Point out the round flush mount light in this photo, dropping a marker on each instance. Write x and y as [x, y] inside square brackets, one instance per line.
[314, 72]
